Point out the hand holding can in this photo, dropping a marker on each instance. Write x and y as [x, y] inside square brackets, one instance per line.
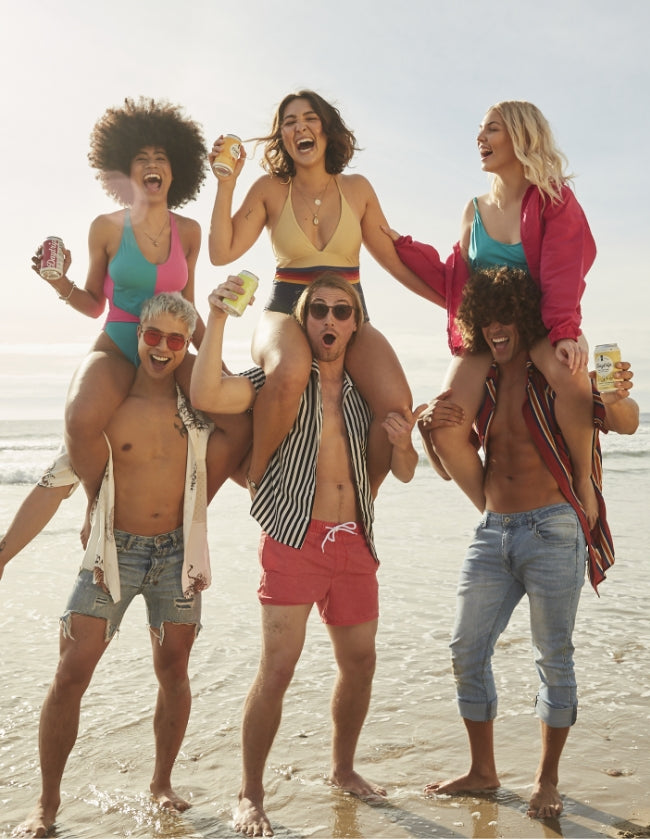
[226, 151]
[248, 287]
[606, 357]
[51, 260]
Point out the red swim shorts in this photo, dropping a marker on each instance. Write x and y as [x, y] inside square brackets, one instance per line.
[334, 569]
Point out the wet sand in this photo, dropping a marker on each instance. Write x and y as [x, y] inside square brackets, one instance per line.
[413, 734]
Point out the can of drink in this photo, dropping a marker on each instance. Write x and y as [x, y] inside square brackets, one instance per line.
[52, 258]
[238, 307]
[605, 357]
[224, 162]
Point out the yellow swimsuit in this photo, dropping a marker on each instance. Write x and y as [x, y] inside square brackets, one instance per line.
[299, 261]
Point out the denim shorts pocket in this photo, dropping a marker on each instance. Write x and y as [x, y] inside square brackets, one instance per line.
[560, 529]
[483, 523]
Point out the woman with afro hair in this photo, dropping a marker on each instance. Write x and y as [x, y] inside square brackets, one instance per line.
[151, 159]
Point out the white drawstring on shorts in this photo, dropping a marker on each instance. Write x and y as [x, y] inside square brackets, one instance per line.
[330, 536]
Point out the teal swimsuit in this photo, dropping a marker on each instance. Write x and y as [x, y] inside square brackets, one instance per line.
[131, 279]
[486, 252]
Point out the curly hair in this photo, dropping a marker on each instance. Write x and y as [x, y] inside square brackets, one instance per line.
[535, 148]
[121, 133]
[341, 142]
[503, 295]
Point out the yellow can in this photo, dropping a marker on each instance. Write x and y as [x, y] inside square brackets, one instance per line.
[238, 307]
[606, 356]
[224, 162]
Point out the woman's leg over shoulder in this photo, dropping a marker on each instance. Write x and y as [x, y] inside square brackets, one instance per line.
[98, 387]
[376, 370]
[574, 409]
[465, 378]
[281, 348]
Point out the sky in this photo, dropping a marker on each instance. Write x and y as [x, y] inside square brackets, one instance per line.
[412, 79]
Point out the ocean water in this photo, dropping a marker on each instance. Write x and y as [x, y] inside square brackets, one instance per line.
[412, 735]
[34, 381]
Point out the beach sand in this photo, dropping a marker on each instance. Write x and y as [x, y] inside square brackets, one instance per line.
[413, 734]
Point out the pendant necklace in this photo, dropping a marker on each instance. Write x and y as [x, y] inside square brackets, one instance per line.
[155, 239]
[317, 201]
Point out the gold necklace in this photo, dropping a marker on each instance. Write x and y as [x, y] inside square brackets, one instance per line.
[318, 201]
[155, 240]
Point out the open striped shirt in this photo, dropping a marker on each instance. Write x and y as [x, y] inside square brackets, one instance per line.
[283, 503]
[539, 415]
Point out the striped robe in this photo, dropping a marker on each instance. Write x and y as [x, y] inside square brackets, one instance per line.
[539, 415]
[283, 503]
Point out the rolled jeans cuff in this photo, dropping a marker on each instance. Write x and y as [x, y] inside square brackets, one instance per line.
[477, 711]
[556, 717]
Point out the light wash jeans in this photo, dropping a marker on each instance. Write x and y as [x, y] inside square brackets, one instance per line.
[149, 565]
[540, 553]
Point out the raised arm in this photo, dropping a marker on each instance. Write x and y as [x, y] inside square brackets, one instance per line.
[233, 235]
[210, 389]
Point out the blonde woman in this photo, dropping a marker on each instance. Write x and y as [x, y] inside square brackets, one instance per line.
[530, 219]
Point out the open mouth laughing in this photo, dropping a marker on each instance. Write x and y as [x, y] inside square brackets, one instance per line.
[159, 362]
[499, 344]
[152, 180]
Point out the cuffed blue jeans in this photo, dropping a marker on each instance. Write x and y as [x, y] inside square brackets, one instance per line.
[541, 554]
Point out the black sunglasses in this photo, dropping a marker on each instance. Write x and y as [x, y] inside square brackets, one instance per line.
[341, 311]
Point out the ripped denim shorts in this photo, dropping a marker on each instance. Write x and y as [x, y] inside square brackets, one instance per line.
[149, 565]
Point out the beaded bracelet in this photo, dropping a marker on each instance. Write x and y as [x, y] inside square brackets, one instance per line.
[67, 297]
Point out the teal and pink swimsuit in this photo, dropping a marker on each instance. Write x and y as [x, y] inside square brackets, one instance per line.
[131, 279]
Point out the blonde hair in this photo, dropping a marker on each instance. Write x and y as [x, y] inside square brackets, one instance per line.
[170, 303]
[535, 148]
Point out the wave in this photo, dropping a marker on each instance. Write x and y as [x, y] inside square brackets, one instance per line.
[27, 448]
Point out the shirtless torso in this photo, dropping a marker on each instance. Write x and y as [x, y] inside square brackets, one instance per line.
[149, 446]
[336, 498]
[516, 477]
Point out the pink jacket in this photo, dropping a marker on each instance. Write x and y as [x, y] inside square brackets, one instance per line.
[559, 250]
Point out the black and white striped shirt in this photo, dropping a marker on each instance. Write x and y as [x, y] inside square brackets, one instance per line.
[284, 500]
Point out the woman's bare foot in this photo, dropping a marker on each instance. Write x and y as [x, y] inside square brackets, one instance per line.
[545, 802]
[356, 785]
[38, 823]
[250, 819]
[472, 782]
[168, 799]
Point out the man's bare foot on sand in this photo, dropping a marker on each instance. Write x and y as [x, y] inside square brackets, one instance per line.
[168, 799]
[250, 819]
[472, 782]
[38, 823]
[545, 802]
[356, 785]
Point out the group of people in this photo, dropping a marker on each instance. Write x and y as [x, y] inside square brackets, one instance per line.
[314, 428]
